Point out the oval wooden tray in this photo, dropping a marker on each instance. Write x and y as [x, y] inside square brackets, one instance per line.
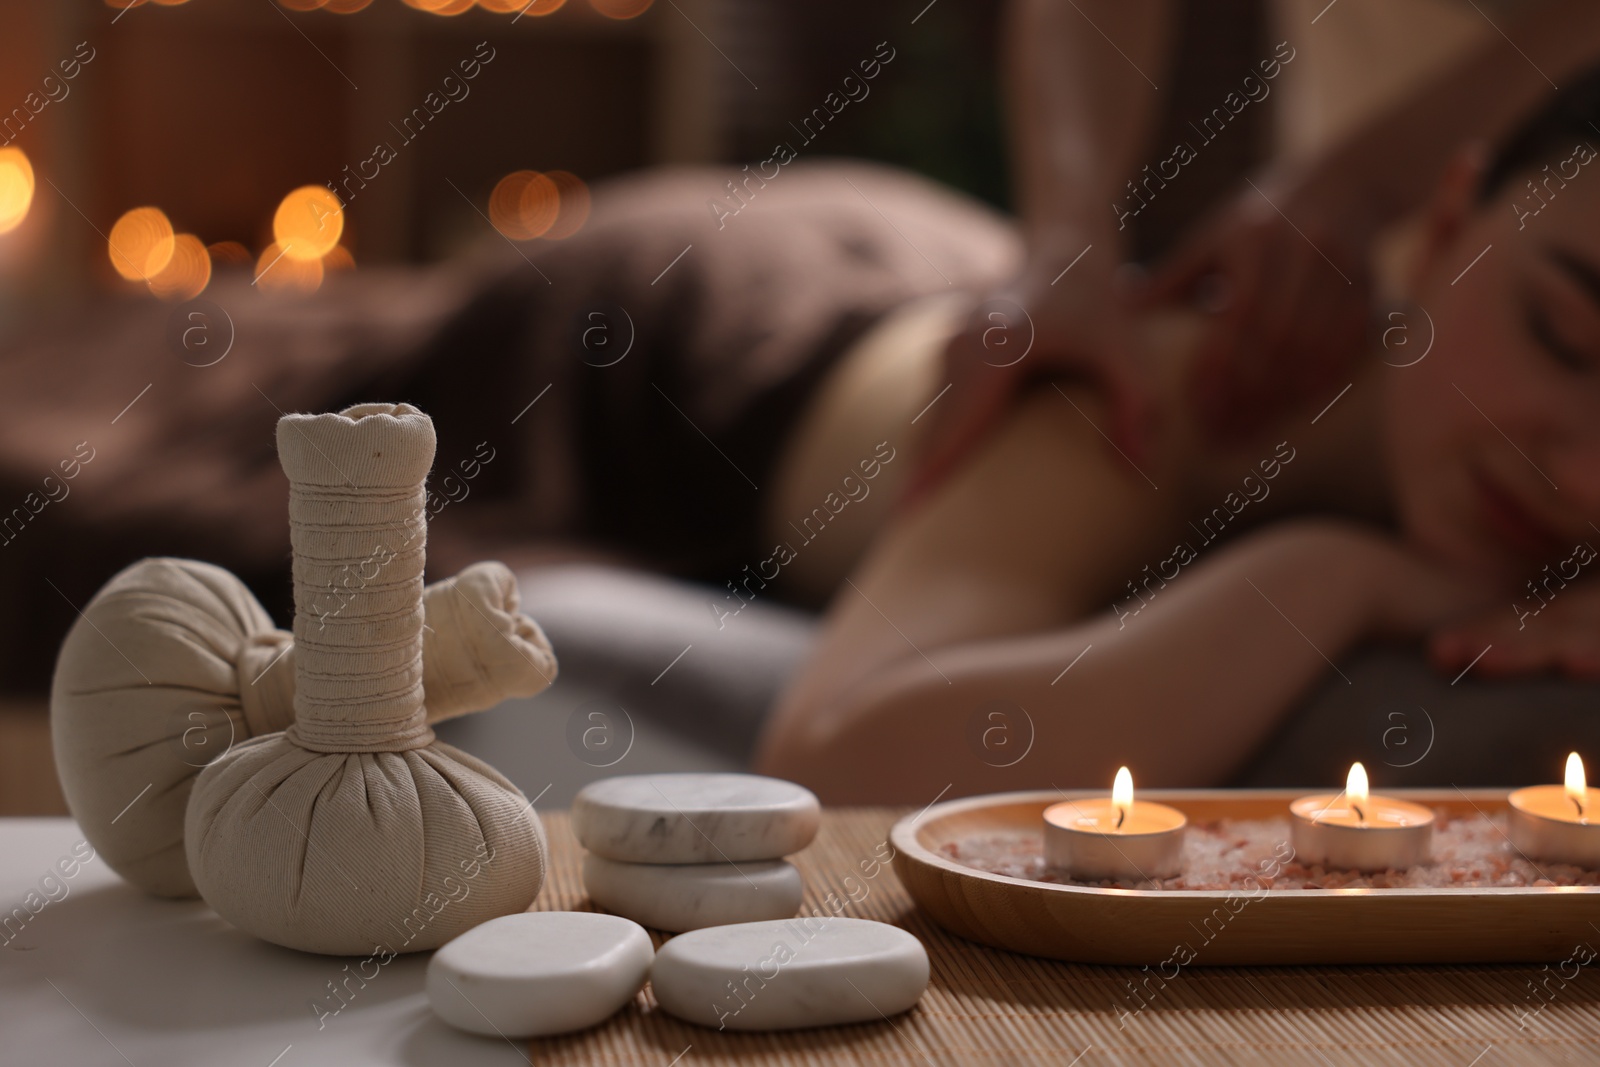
[1179, 927]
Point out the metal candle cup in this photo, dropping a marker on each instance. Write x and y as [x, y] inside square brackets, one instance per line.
[1114, 839]
[1352, 831]
[1553, 823]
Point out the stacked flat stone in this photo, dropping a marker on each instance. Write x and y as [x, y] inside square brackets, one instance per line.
[681, 852]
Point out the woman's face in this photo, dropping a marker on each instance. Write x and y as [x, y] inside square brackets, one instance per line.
[1494, 437]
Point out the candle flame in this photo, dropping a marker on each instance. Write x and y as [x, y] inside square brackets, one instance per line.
[1122, 794]
[1577, 784]
[1355, 790]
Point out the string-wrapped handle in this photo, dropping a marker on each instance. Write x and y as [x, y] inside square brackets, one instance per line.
[356, 507]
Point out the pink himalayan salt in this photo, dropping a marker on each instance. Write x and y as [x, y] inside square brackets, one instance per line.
[1468, 853]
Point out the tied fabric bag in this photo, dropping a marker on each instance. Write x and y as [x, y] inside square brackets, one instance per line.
[354, 829]
[174, 661]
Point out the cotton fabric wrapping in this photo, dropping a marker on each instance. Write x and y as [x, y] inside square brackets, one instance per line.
[354, 830]
[174, 662]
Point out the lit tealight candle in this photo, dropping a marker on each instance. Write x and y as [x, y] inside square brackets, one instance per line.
[1352, 831]
[1100, 839]
[1558, 824]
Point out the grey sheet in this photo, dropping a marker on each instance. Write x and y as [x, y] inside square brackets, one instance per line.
[1413, 727]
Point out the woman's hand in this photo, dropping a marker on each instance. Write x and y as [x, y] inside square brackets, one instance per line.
[1060, 318]
[1283, 267]
[1521, 637]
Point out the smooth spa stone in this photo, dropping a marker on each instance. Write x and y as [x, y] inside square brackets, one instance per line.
[539, 972]
[694, 818]
[790, 973]
[679, 897]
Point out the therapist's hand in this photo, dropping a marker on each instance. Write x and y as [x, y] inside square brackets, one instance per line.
[1282, 270]
[1045, 324]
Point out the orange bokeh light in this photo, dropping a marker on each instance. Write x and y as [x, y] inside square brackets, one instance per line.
[621, 9]
[308, 223]
[440, 7]
[279, 272]
[573, 210]
[187, 273]
[141, 244]
[524, 204]
[16, 188]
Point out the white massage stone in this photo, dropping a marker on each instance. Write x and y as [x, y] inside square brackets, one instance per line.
[790, 973]
[539, 972]
[694, 818]
[679, 897]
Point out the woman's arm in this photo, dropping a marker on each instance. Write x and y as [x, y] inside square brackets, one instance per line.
[981, 600]
[1040, 528]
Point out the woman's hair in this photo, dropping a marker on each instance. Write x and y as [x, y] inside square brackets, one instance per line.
[1548, 135]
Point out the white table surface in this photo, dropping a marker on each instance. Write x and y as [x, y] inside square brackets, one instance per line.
[108, 975]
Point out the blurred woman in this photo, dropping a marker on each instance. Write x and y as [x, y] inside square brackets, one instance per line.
[1432, 486]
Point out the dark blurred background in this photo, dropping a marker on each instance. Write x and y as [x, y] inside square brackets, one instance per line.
[213, 110]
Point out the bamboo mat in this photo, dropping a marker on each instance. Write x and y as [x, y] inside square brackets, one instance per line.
[984, 1006]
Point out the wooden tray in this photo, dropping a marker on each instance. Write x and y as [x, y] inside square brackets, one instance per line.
[1173, 928]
